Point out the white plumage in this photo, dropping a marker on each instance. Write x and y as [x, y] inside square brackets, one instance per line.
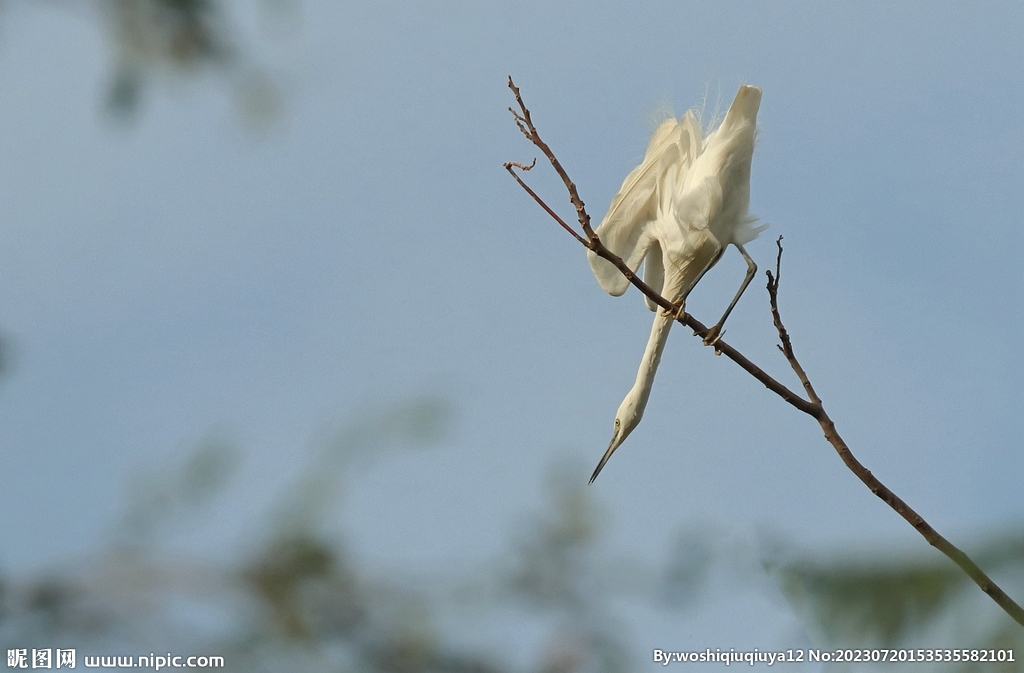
[676, 212]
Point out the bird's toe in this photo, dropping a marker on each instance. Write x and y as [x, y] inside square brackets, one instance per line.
[712, 337]
[677, 314]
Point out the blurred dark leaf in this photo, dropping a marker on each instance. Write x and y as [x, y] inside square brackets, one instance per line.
[309, 589]
[415, 422]
[50, 598]
[56, 604]
[123, 99]
[185, 34]
[207, 471]
[161, 496]
[154, 39]
[157, 40]
[886, 601]
[1009, 637]
[872, 605]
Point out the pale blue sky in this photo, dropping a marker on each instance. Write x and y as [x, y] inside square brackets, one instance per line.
[184, 276]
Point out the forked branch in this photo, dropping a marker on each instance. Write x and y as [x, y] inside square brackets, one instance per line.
[811, 406]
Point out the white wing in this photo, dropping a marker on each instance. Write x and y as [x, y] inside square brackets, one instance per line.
[626, 228]
[723, 169]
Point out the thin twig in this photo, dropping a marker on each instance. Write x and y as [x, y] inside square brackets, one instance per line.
[786, 346]
[525, 124]
[812, 406]
[510, 166]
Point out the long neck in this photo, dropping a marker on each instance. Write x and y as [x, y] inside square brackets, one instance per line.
[652, 356]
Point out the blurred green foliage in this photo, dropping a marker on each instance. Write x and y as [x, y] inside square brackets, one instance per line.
[169, 493]
[154, 39]
[872, 604]
[923, 601]
[297, 600]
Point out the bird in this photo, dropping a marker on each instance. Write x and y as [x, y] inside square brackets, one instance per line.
[676, 213]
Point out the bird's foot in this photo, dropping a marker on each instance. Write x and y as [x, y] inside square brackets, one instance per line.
[677, 314]
[711, 338]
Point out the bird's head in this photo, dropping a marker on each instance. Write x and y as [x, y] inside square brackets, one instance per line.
[626, 419]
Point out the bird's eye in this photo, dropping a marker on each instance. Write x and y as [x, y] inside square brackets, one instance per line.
[616, 424]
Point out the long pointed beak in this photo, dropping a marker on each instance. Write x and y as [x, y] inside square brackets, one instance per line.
[616, 441]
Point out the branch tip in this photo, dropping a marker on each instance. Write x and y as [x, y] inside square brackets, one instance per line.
[509, 165]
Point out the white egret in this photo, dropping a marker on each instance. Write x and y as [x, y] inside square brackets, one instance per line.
[677, 212]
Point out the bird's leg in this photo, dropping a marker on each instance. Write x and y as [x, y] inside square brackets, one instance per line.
[680, 312]
[715, 332]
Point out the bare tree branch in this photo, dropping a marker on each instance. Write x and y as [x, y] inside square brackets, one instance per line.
[811, 406]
